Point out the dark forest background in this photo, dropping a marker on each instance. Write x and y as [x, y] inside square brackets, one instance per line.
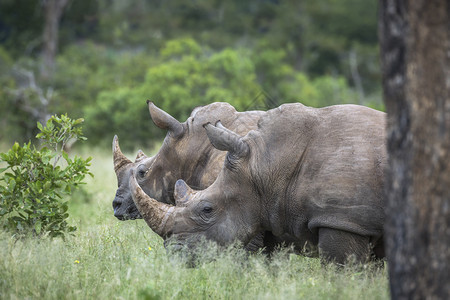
[110, 56]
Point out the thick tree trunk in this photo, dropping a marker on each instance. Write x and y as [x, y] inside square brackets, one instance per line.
[53, 12]
[415, 53]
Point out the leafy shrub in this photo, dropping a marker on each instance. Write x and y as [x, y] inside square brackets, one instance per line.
[31, 199]
[180, 47]
[322, 91]
[124, 112]
[181, 83]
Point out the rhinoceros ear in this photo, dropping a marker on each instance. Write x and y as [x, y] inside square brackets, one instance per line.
[226, 140]
[140, 156]
[182, 193]
[165, 121]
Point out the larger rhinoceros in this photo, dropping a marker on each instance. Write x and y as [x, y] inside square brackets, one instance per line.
[314, 175]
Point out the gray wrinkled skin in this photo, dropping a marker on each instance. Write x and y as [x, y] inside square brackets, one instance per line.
[312, 176]
[188, 156]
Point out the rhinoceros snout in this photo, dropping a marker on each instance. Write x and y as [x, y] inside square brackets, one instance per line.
[117, 203]
[124, 210]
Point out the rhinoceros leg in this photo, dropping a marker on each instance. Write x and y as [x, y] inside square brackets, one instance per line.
[256, 243]
[305, 247]
[342, 247]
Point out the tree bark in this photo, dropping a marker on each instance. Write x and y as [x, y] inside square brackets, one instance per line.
[415, 54]
[53, 12]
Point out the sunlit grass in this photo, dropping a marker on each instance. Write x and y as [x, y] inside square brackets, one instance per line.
[109, 259]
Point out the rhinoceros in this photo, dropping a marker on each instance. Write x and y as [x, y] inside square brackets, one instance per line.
[314, 175]
[185, 154]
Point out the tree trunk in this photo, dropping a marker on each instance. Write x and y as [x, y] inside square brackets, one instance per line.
[415, 54]
[53, 12]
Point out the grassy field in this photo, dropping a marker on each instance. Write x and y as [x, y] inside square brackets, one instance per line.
[109, 259]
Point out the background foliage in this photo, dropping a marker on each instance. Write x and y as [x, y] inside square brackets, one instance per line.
[114, 55]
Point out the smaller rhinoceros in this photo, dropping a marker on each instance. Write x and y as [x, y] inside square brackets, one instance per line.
[313, 175]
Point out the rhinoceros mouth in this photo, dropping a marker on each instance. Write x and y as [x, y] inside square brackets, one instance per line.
[131, 213]
[174, 246]
[127, 217]
[121, 217]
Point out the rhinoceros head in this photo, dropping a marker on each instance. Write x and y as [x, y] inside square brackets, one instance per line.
[224, 212]
[185, 153]
[122, 166]
[150, 172]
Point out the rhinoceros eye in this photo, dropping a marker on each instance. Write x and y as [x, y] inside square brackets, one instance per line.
[230, 162]
[207, 209]
[206, 212]
[142, 170]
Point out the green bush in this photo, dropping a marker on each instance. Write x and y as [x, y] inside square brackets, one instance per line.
[322, 91]
[31, 198]
[124, 112]
[197, 78]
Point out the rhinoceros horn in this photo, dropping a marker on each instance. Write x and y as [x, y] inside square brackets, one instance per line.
[140, 156]
[165, 121]
[158, 216]
[120, 160]
[226, 140]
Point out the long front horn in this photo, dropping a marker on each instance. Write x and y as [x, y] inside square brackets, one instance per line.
[158, 216]
[119, 159]
[226, 140]
[164, 121]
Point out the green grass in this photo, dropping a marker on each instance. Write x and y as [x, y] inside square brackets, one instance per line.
[109, 259]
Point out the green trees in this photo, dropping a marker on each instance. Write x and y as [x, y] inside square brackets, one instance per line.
[188, 75]
[114, 55]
